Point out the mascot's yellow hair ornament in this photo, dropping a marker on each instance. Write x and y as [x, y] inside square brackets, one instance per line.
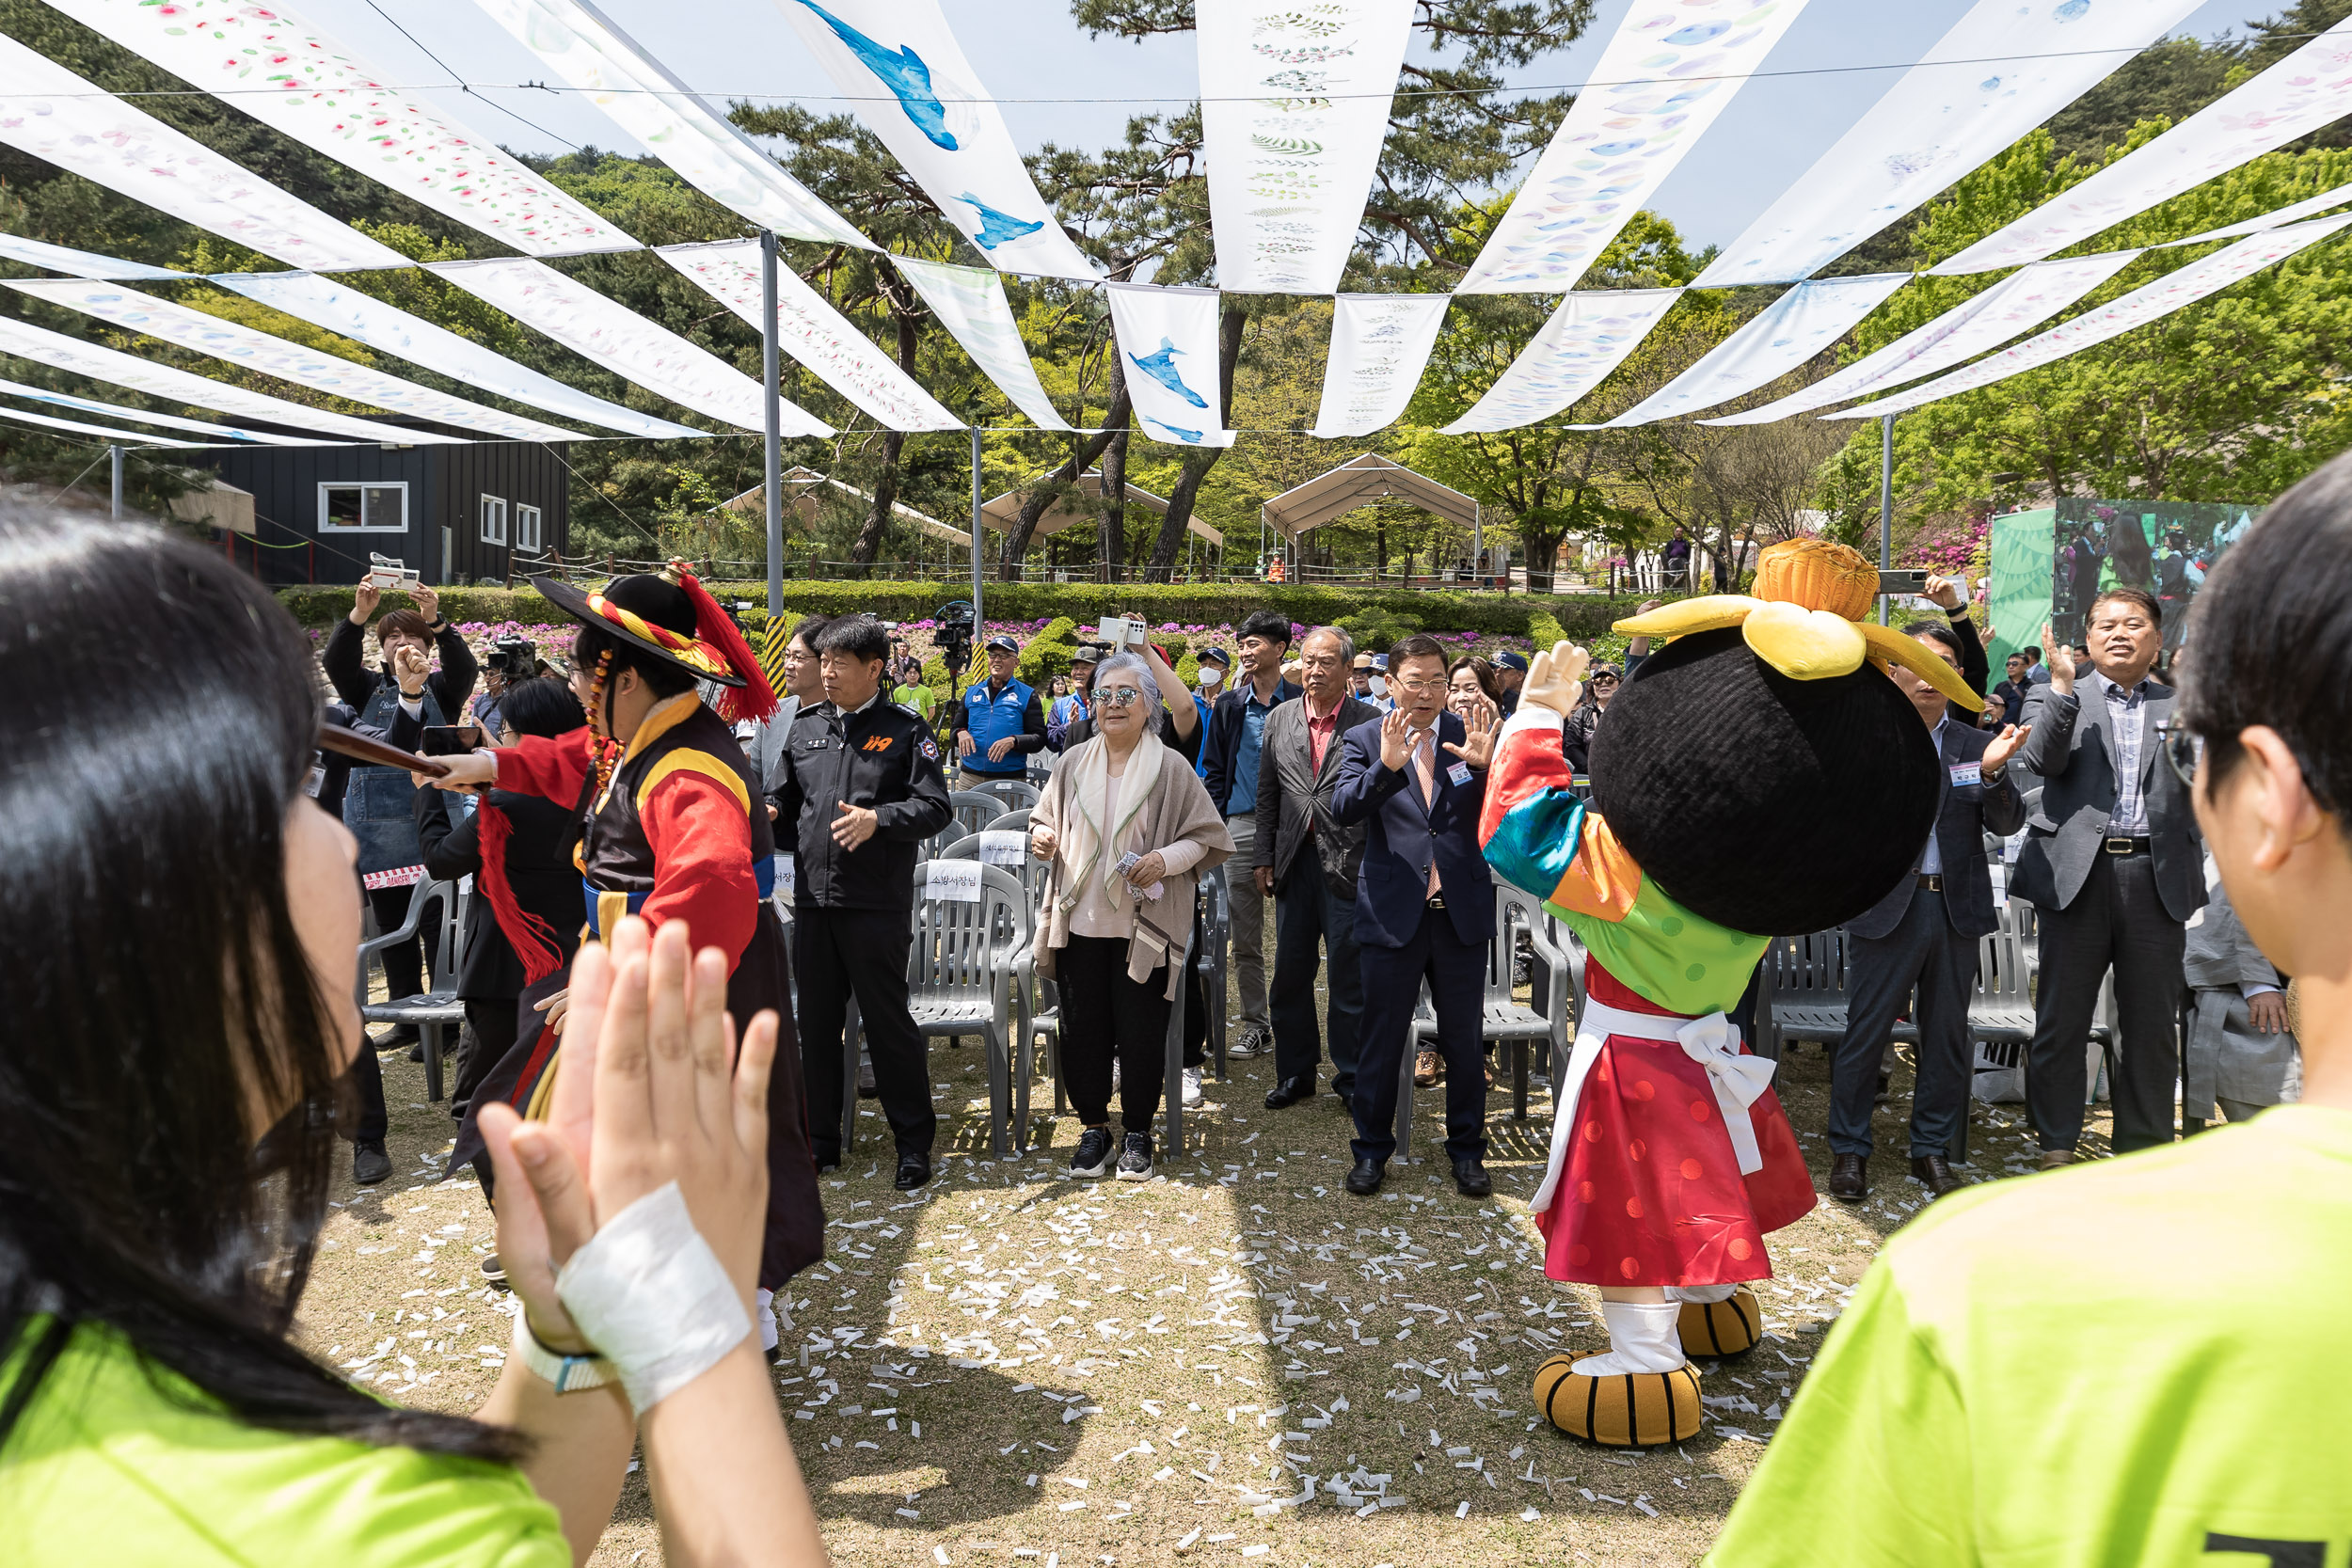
[1806, 619]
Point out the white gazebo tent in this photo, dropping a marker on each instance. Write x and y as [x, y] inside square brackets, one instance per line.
[798, 481]
[1003, 512]
[1361, 480]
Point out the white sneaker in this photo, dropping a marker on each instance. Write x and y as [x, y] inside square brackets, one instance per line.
[764, 1313]
[1134, 1159]
[1192, 1086]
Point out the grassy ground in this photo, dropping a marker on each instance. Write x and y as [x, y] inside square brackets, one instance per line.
[1237, 1361]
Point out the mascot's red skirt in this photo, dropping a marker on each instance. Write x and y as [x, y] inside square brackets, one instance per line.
[1646, 1186]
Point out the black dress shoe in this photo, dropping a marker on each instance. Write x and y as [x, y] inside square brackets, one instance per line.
[1849, 1178]
[1344, 1088]
[1936, 1172]
[827, 1158]
[1364, 1179]
[913, 1170]
[370, 1165]
[1471, 1178]
[1290, 1091]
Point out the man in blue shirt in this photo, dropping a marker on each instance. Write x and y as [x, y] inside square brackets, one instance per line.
[1002, 722]
[1236, 733]
[1079, 704]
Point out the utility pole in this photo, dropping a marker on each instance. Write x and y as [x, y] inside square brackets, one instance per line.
[979, 622]
[772, 485]
[1886, 501]
[114, 454]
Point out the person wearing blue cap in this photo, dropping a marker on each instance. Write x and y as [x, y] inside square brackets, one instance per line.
[999, 723]
[1510, 674]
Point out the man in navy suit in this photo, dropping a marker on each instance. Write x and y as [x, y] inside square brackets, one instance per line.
[1924, 933]
[1424, 906]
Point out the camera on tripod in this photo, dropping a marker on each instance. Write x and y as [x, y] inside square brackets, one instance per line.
[956, 627]
[512, 658]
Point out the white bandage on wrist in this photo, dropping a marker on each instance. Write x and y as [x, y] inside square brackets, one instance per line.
[653, 1298]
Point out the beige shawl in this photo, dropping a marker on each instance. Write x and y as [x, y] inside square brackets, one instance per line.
[1161, 802]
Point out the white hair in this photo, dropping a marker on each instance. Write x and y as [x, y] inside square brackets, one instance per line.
[1154, 715]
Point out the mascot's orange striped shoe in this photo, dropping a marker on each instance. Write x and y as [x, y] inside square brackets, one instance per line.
[1727, 1328]
[1626, 1410]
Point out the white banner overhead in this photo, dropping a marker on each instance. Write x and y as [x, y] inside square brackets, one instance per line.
[1775, 341]
[1669, 70]
[1379, 344]
[970, 303]
[637, 92]
[1167, 338]
[2297, 212]
[169, 422]
[83, 263]
[125, 438]
[2018, 303]
[331, 103]
[939, 122]
[57, 117]
[813, 333]
[1587, 336]
[2002, 69]
[363, 318]
[299, 363]
[631, 347]
[1294, 107]
[59, 352]
[2183, 286]
[2308, 89]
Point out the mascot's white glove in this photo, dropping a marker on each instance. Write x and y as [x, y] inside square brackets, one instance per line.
[1556, 679]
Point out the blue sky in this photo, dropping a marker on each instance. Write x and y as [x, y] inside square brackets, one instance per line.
[1080, 91]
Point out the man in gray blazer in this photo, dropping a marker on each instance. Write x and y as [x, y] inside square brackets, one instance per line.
[2112, 862]
[1306, 862]
[2241, 1056]
[1924, 933]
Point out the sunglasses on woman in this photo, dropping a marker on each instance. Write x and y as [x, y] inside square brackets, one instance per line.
[1117, 696]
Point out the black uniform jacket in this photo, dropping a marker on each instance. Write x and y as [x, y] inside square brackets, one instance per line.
[881, 758]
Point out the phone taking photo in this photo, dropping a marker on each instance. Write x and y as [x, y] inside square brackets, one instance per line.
[452, 740]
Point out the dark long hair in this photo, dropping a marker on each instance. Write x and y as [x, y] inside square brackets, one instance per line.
[540, 705]
[156, 733]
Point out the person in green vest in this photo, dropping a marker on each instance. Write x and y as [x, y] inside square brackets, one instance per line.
[2137, 1361]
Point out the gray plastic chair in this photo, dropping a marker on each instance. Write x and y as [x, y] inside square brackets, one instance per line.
[1503, 1018]
[1215, 944]
[961, 972]
[431, 1011]
[971, 812]
[1011, 794]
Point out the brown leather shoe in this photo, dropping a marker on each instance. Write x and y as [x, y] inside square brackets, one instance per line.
[1425, 1069]
[1936, 1173]
[2053, 1157]
[1848, 1177]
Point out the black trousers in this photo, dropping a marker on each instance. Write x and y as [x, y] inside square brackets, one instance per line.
[1105, 1014]
[367, 1090]
[838, 953]
[403, 962]
[1308, 920]
[490, 1030]
[1922, 951]
[1456, 972]
[2117, 920]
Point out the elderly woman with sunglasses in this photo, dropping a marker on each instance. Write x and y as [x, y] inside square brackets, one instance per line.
[1575, 739]
[1128, 829]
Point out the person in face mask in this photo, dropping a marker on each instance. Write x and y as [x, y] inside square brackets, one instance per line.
[1216, 667]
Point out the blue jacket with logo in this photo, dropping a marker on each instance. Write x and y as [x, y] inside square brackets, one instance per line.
[989, 716]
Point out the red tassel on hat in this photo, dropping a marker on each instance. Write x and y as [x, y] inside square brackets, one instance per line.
[532, 938]
[754, 698]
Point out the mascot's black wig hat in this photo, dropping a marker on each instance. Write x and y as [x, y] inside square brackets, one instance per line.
[1762, 767]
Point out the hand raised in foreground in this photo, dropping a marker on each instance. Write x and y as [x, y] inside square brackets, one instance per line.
[1555, 678]
[1481, 725]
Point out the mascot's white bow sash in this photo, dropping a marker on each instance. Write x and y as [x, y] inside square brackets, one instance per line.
[1738, 1081]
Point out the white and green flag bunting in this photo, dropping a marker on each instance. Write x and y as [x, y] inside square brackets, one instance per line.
[970, 303]
[1768, 345]
[1167, 344]
[1572, 353]
[1379, 345]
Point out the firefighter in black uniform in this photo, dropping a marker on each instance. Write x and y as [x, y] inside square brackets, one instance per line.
[860, 790]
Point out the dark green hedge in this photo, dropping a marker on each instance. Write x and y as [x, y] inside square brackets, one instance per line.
[1186, 604]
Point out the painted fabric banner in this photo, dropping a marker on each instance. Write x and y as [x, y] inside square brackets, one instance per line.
[55, 115]
[1294, 107]
[1586, 338]
[2018, 303]
[2167, 294]
[331, 103]
[2308, 89]
[1379, 344]
[970, 303]
[1670, 69]
[1167, 339]
[938, 120]
[72, 355]
[83, 263]
[2297, 212]
[2003, 69]
[639, 94]
[812, 332]
[299, 363]
[365, 319]
[127, 437]
[1779, 337]
[612, 335]
[144, 416]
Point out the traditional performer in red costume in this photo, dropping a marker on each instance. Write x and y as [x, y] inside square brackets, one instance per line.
[672, 827]
[1760, 776]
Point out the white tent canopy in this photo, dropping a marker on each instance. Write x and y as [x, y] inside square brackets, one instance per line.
[1361, 480]
[1003, 512]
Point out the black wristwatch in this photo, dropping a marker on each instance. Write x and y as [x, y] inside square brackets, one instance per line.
[439, 627]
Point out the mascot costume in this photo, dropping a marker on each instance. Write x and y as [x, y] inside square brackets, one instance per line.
[1759, 777]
